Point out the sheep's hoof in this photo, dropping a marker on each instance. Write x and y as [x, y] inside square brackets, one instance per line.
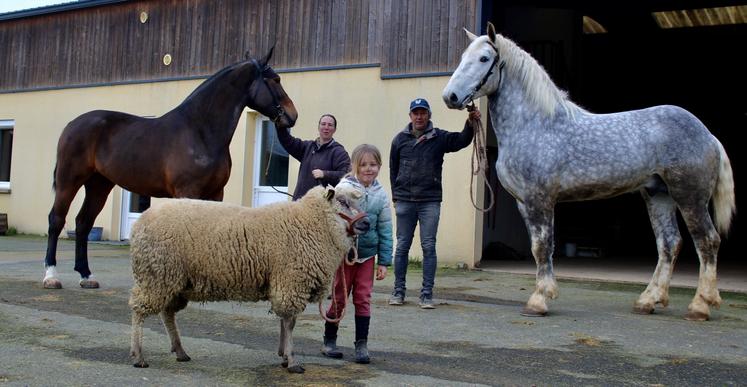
[296, 369]
[696, 316]
[532, 312]
[643, 309]
[88, 283]
[52, 283]
[140, 364]
[284, 364]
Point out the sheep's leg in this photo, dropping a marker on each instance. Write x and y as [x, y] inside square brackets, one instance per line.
[294, 366]
[136, 348]
[168, 316]
[281, 344]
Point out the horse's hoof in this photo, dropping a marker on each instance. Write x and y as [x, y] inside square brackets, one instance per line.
[140, 364]
[183, 358]
[88, 283]
[532, 313]
[296, 369]
[52, 283]
[646, 309]
[696, 316]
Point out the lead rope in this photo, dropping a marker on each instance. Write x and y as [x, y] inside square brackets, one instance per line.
[341, 270]
[479, 161]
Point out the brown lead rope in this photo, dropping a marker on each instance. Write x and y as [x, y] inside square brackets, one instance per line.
[479, 162]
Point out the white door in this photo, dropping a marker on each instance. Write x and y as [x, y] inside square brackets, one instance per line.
[132, 206]
[270, 185]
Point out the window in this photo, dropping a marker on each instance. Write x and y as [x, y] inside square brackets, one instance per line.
[274, 154]
[6, 146]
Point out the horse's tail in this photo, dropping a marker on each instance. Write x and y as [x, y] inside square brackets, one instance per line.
[54, 178]
[724, 205]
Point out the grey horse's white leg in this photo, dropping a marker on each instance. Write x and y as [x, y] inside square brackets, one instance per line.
[136, 343]
[662, 212]
[168, 316]
[707, 242]
[287, 324]
[540, 221]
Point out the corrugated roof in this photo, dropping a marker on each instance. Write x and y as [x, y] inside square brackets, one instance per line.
[56, 8]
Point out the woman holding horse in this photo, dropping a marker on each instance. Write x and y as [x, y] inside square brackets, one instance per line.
[323, 160]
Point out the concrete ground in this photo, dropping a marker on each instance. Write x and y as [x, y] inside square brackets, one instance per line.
[634, 270]
[475, 336]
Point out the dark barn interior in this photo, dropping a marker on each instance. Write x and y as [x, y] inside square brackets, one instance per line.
[634, 64]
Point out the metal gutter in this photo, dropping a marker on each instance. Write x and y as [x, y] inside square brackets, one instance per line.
[81, 4]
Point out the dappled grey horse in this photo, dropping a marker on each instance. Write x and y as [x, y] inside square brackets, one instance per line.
[551, 150]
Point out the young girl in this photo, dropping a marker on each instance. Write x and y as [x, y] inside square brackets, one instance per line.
[377, 241]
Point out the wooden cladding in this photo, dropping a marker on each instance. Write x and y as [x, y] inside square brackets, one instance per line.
[111, 43]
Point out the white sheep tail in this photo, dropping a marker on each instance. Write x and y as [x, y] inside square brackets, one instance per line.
[724, 205]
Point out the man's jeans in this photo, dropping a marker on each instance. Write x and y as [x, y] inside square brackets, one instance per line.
[408, 215]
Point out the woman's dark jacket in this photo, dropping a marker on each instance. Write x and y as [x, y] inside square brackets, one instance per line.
[415, 164]
[330, 158]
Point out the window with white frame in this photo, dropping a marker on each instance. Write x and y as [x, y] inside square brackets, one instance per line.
[6, 147]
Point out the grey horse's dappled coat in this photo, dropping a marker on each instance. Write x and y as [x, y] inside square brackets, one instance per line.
[191, 250]
[551, 150]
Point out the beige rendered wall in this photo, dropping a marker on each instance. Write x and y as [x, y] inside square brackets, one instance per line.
[368, 109]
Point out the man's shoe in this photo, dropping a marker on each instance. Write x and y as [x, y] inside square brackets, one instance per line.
[397, 299]
[426, 303]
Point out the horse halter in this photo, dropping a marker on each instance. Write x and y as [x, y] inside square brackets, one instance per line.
[278, 108]
[484, 79]
[352, 221]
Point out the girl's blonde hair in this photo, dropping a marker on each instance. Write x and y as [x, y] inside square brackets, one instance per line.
[359, 152]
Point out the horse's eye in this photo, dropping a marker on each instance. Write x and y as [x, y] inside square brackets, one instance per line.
[484, 59]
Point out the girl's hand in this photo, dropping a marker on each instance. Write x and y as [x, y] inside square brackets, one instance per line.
[381, 272]
[318, 173]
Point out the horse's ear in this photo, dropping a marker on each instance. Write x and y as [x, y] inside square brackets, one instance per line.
[470, 35]
[267, 57]
[247, 56]
[491, 32]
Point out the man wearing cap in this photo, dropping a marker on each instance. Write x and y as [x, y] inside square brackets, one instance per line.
[415, 165]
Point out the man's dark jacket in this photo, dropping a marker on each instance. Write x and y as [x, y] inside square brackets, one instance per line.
[330, 158]
[415, 164]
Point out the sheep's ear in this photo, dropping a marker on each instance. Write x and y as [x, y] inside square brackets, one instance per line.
[330, 193]
[470, 35]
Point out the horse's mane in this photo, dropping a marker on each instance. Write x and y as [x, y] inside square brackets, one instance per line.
[210, 81]
[540, 88]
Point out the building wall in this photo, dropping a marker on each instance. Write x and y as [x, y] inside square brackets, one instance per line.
[368, 108]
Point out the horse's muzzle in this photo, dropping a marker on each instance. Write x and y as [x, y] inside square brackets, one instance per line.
[285, 118]
[453, 101]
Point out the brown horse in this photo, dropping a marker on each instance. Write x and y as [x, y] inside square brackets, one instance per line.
[182, 154]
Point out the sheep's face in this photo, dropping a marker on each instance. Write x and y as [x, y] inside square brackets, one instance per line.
[346, 200]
